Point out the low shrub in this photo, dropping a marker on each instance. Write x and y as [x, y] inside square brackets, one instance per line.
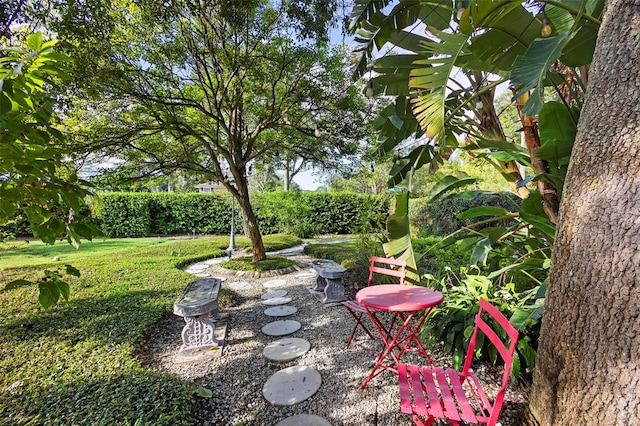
[451, 322]
[435, 262]
[439, 218]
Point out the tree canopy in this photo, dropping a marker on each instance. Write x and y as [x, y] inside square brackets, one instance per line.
[213, 87]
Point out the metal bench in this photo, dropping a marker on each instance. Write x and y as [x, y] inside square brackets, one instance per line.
[329, 279]
[198, 305]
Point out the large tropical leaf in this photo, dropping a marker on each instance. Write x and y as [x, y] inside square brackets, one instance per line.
[363, 10]
[392, 74]
[558, 128]
[418, 157]
[396, 123]
[449, 183]
[484, 211]
[583, 43]
[509, 30]
[532, 211]
[429, 80]
[373, 27]
[399, 245]
[583, 32]
[532, 69]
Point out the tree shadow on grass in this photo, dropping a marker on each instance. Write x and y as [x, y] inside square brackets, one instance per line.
[113, 318]
[131, 396]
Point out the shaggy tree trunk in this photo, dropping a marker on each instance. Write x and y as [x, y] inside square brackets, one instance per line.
[588, 365]
[252, 230]
[241, 193]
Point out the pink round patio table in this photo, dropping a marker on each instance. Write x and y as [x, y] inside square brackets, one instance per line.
[405, 302]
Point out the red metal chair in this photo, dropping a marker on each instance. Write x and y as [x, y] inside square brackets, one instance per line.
[378, 266]
[434, 392]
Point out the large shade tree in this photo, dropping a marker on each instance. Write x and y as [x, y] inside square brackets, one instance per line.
[211, 87]
[587, 367]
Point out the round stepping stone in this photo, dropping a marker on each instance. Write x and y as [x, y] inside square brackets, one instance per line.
[240, 285]
[286, 349]
[292, 385]
[273, 294]
[281, 328]
[306, 274]
[280, 311]
[276, 301]
[304, 420]
[274, 283]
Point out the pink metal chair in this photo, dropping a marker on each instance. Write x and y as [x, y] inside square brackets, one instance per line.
[377, 266]
[435, 392]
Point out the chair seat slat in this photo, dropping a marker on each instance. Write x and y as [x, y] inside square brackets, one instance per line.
[466, 410]
[405, 394]
[420, 406]
[435, 406]
[449, 403]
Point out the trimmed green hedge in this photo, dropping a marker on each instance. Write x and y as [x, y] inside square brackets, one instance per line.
[312, 213]
[137, 214]
[303, 214]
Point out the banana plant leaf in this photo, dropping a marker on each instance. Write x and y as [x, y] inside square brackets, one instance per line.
[510, 29]
[526, 315]
[449, 183]
[532, 69]
[399, 245]
[429, 80]
[389, 134]
[483, 211]
[418, 157]
[480, 252]
[532, 211]
[558, 128]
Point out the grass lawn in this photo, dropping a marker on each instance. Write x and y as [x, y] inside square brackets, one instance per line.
[75, 363]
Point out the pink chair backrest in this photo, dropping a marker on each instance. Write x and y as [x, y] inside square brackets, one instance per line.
[505, 349]
[387, 266]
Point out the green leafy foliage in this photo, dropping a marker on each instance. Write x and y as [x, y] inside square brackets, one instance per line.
[36, 184]
[76, 363]
[435, 261]
[309, 213]
[452, 321]
[399, 245]
[33, 175]
[532, 69]
[445, 216]
[143, 214]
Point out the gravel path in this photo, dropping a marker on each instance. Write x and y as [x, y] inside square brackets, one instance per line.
[237, 376]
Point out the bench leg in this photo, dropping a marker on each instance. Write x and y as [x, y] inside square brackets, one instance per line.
[334, 291]
[320, 283]
[198, 332]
